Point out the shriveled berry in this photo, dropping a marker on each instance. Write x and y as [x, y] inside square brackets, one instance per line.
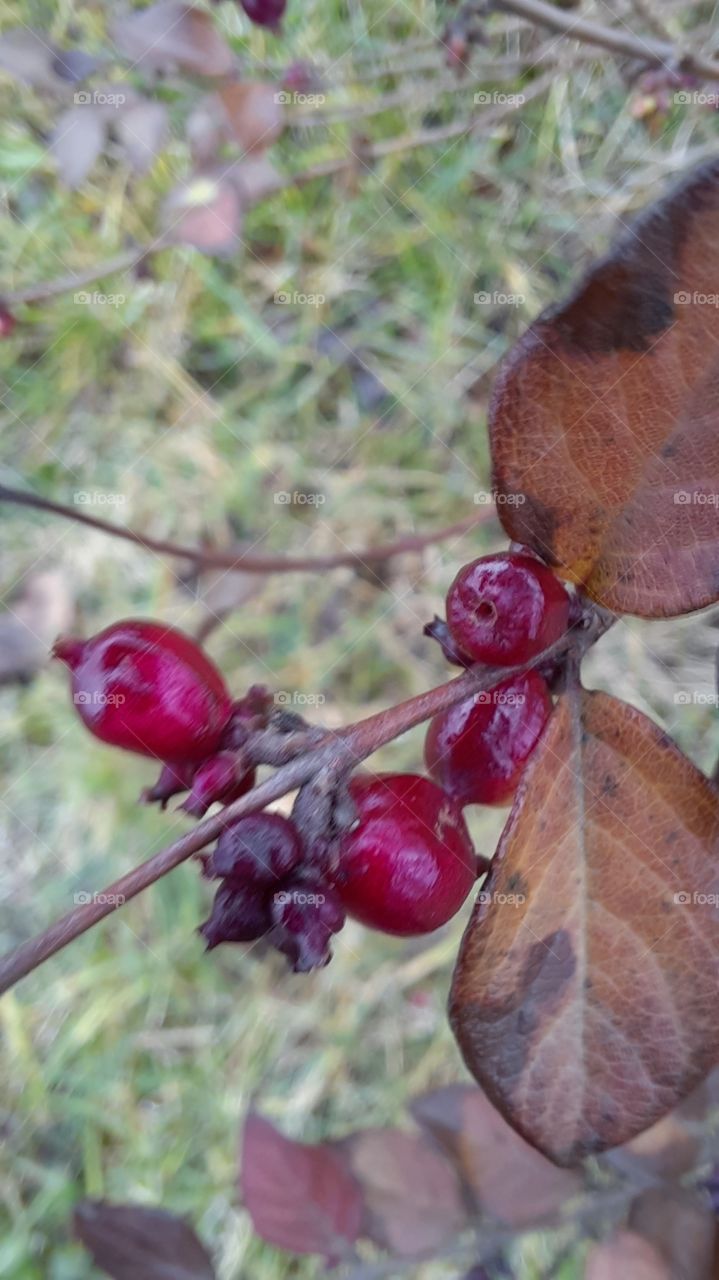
[409, 864]
[261, 848]
[266, 13]
[239, 914]
[148, 688]
[478, 749]
[306, 912]
[505, 609]
[173, 779]
[221, 779]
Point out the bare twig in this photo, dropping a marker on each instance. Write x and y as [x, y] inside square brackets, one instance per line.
[248, 561]
[659, 53]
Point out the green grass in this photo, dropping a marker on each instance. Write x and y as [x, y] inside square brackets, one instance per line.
[130, 1059]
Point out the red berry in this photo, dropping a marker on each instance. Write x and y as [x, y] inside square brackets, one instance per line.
[266, 13]
[505, 609]
[239, 914]
[148, 688]
[408, 865]
[222, 778]
[477, 750]
[261, 848]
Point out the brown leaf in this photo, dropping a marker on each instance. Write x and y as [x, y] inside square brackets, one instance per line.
[678, 1142]
[412, 1195]
[680, 1227]
[171, 33]
[301, 1198]
[76, 142]
[605, 419]
[205, 213]
[626, 1256]
[508, 1179]
[584, 998]
[255, 116]
[129, 1241]
[255, 178]
[143, 130]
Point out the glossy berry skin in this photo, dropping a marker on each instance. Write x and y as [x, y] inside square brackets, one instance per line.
[148, 688]
[478, 749]
[409, 864]
[262, 849]
[505, 609]
[266, 13]
[239, 914]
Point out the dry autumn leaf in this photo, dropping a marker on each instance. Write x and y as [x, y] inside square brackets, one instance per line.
[254, 114]
[626, 1256]
[584, 998]
[412, 1196]
[204, 212]
[604, 421]
[171, 33]
[507, 1179]
[299, 1197]
[129, 1241]
[681, 1227]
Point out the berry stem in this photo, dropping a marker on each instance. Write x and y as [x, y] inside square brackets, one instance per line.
[344, 749]
[247, 561]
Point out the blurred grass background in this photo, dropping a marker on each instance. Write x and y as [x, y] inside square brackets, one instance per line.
[130, 1059]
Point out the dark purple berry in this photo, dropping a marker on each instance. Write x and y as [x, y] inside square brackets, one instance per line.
[262, 848]
[266, 13]
[306, 912]
[239, 914]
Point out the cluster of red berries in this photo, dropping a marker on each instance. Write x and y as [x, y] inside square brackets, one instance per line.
[405, 862]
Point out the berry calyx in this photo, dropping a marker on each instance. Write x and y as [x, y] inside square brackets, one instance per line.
[438, 630]
[222, 778]
[239, 914]
[478, 749]
[506, 609]
[306, 913]
[148, 688]
[266, 13]
[261, 848]
[408, 865]
[173, 779]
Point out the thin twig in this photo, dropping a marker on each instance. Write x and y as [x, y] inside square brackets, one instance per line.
[647, 49]
[248, 561]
